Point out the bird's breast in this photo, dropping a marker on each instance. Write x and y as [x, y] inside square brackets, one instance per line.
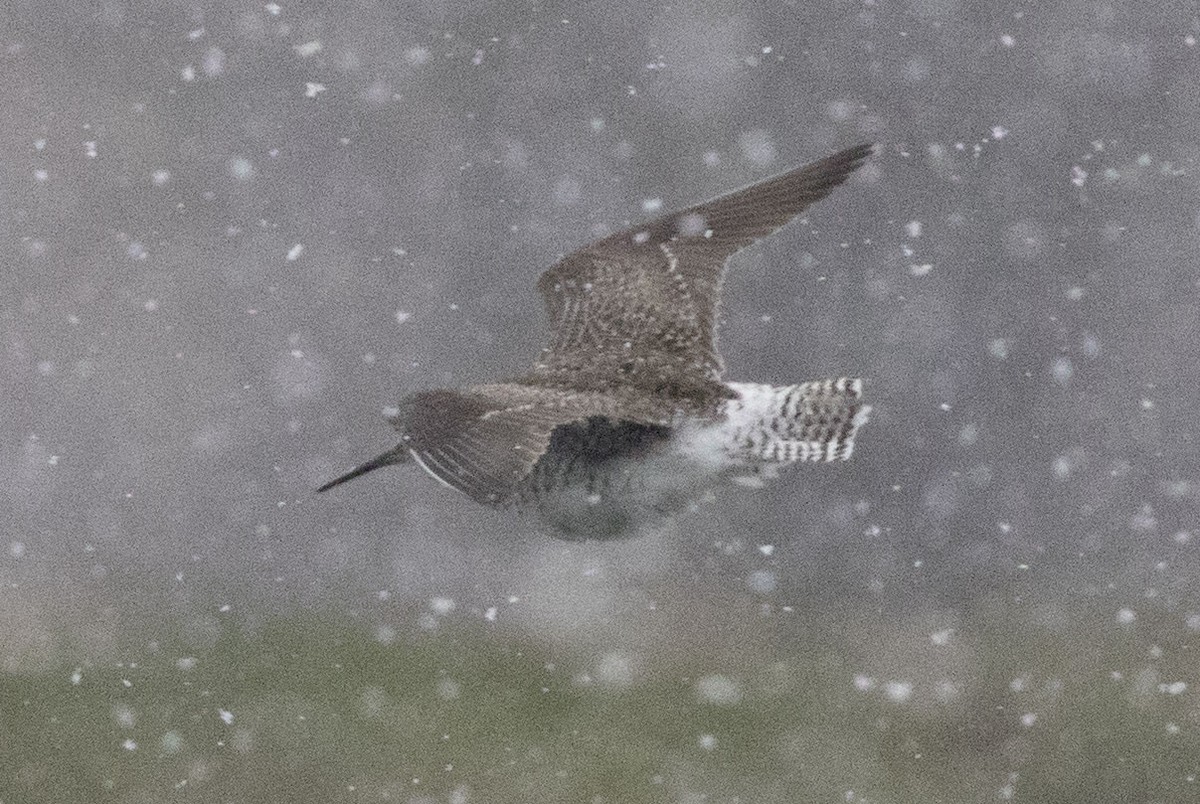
[604, 479]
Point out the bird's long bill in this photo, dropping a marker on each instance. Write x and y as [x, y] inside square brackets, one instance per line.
[396, 455]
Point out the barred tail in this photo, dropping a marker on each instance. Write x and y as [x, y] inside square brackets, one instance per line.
[813, 422]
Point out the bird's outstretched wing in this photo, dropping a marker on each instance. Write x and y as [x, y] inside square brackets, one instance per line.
[484, 441]
[639, 308]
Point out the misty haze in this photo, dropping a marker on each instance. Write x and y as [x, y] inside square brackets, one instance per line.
[237, 235]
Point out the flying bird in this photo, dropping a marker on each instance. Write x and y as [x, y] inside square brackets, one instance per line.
[625, 417]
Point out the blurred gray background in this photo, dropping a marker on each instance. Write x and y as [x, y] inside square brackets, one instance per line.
[234, 233]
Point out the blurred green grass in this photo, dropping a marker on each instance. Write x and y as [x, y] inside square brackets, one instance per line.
[316, 709]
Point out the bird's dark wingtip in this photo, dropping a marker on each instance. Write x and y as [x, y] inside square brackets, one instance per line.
[825, 174]
[859, 153]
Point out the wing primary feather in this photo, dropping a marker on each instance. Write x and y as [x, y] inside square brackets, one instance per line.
[663, 278]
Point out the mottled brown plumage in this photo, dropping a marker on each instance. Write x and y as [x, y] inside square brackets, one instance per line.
[632, 357]
[640, 307]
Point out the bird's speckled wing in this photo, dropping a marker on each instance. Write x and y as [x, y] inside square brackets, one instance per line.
[485, 440]
[639, 308]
